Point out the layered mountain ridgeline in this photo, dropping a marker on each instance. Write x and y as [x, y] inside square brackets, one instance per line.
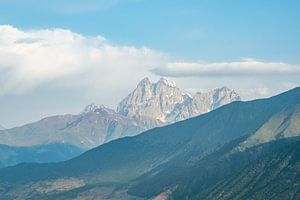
[10, 156]
[149, 105]
[268, 171]
[154, 104]
[273, 175]
[282, 125]
[93, 126]
[190, 159]
[72, 135]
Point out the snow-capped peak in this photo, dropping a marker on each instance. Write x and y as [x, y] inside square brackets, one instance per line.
[145, 81]
[187, 94]
[162, 102]
[92, 108]
[167, 82]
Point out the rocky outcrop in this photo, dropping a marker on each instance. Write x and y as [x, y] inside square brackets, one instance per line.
[154, 104]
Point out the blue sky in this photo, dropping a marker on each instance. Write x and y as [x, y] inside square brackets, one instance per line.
[58, 56]
[211, 30]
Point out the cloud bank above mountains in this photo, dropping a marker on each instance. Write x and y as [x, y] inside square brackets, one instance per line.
[64, 59]
[56, 71]
[30, 58]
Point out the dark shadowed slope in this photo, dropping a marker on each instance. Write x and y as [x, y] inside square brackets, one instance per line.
[268, 171]
[274, 175]
[130, 162]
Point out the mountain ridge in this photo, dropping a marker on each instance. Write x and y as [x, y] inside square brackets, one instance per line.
[162, 102]
[158, 152]
[88, 130]
[97, 124]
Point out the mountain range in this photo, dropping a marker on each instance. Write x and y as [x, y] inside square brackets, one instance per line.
[243, 150]
[93, 126]
[160, 103]
[148, 106]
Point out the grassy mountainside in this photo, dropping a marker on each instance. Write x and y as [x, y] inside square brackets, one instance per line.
[275, 175]
[282, 125]
[268, 171]
[183, 160]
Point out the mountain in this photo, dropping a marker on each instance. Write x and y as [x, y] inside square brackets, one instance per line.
[190, 159]
[93, 126]
[282, 125]
[10, 156]
[268, 171]
[274, 174]
[149, 105]
[162, 102]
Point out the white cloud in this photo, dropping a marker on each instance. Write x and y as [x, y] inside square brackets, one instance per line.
[246, 67]
[56, 71]
[31, 58]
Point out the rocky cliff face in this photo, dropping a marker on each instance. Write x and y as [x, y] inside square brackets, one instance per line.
[204, 102]
[154, 104]
[151, 103]
[148, 106]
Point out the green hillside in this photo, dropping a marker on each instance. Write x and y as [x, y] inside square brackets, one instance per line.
[185, 160]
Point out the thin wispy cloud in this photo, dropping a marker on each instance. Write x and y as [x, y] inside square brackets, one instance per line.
[246, 67]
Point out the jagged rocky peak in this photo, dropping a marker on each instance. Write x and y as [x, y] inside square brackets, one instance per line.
[162, 102]
[144, 82]
[166, 82]
[224, 95]
[94, 108]
[203, 102]
[142, 92]
[150, 102]
[90, 108]
[225, 91]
